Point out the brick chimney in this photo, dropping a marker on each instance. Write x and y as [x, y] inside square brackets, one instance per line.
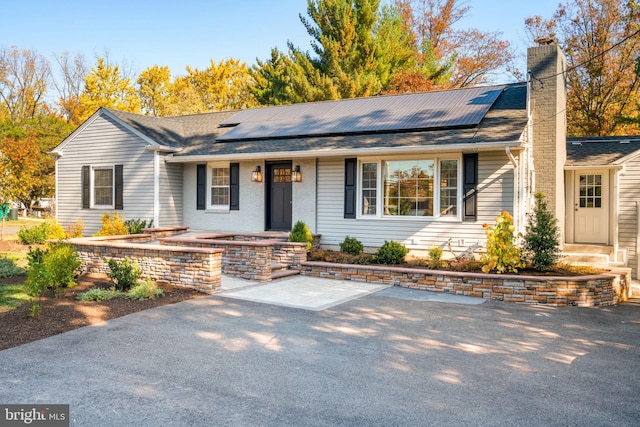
[547, 65]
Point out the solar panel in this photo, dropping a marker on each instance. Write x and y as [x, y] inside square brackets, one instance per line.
[453, 108]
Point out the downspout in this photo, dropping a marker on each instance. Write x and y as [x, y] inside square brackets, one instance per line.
[616, 210]
[55, 202]
[156, 189]
[516, 188]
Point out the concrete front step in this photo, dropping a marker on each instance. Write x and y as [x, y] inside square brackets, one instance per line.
[280, 270]
[279, 274]
[587, 249]
[585, 258]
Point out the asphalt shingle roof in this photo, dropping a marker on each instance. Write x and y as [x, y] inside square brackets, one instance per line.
[199, 134]
[600, 151]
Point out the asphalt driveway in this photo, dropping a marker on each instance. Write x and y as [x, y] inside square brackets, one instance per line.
[374, 360]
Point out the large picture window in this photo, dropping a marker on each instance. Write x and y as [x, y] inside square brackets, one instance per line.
[410, 188]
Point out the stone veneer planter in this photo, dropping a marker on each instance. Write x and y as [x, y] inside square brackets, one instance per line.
[582, 291]
[199, 268]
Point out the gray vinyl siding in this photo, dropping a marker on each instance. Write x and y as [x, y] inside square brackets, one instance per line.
[104, 142]
[495, 194]
[170, 194]
[629, 194]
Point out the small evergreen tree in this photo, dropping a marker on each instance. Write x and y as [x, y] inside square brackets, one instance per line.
[301, 233]
[541, 242]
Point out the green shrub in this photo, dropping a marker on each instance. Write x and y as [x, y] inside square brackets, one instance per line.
[99, 294]
[542, 239]
[146, 289]
[36, 234]
[435, 257]
[502, 253]
[135, 226]
[351, 245]
[301, 233]
[391, 253]
[35, 256]
[112, 225]
[8, 268]
[123, 274]
[38, 280]
[63, 262]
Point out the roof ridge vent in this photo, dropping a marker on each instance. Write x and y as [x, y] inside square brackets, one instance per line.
[625, 141]
[576, 142]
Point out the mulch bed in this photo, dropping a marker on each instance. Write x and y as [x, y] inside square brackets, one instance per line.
[65, 312]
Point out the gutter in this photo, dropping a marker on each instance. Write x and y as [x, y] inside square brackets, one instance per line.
[467, 147]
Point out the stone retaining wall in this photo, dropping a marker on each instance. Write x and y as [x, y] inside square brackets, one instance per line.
[582, 291]
[198, 268]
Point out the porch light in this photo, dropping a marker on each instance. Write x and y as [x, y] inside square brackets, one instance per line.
[296, 175]
[256, 175]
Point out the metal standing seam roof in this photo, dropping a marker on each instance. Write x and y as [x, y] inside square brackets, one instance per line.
[428, 110]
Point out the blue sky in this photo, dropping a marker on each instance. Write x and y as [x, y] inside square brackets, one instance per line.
[191, 32]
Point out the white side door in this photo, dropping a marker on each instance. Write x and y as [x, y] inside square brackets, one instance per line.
[591, 219]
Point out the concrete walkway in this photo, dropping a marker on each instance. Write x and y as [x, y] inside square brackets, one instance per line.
[312, 293]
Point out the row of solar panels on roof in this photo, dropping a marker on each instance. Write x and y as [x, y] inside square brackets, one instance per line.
[462, 107]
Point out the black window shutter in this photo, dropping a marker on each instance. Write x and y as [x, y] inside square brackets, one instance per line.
[470, 189]
[234, 187]
[350, 177]
[119, 187]
[201, 194]
[86, 187]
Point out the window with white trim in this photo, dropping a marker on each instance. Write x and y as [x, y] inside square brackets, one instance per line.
[428, 187]
[103, 187]
[220, 188]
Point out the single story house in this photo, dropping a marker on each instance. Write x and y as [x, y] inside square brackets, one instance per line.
[423, 169]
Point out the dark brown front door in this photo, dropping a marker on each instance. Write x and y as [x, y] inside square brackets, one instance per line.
[279, 196]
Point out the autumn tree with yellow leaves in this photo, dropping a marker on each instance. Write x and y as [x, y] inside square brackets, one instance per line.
[223, 86]
[106, 87]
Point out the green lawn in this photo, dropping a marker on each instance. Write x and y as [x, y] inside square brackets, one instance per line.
[12, 296]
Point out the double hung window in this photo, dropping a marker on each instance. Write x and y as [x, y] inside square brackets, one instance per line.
[102, 187]
[220, 188]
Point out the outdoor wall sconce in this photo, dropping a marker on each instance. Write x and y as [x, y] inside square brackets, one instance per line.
[256, 175]
[296, 175]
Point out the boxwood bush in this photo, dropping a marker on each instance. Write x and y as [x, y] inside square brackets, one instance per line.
[391, 253]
